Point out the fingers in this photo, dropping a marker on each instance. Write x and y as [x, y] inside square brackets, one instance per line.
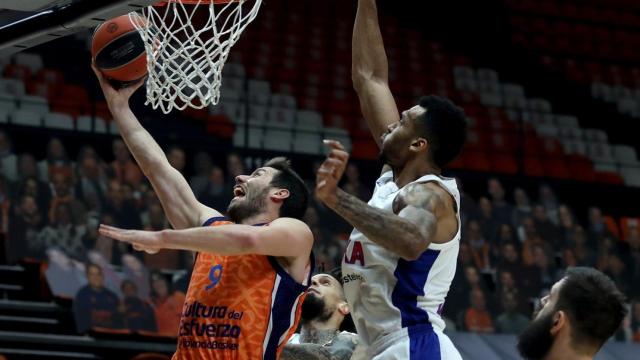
[333, 144]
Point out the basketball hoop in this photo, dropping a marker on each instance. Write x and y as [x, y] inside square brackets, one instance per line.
[187, 44]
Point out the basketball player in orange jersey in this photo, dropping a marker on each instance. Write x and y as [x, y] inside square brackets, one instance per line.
[251, 270]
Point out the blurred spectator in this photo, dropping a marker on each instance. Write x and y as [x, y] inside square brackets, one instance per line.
[505, 234]
[5, 205]
[502, 211]
[168, 305]
[507, 285]
[138, 314]
[468, 206]
[216, 194]
[544, 227]
[27, 167]
[477, 318]
[202, 166]
[633, 238]
[488, 222]
[62, 182]
[549, 201]
[94, 304]
[353, 185]
[566, 225]
[25, 221]
[545, 266]
[133, 269]
[124, 210]
[584, 254]
[124, 169]
[478, 245]
[635, 320]
[92, 182]
[177, 158]
[597, 227]
[235, 167]
[39, 190]
[526, 277]
[510, 321]
[63, 232]
[8, 160]
[56, 158]
[522, 209]
[617, 269]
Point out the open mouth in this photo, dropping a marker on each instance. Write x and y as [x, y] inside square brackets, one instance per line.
[238, 192]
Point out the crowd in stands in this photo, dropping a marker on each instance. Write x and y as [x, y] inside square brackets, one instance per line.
[511, 251]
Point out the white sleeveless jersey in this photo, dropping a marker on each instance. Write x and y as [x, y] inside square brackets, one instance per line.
[387, 293]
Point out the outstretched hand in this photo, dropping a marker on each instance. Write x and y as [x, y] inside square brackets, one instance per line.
[330, 173]
[116, 98]
[148, 241]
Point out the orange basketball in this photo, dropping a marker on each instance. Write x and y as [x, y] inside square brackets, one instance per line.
[118, 50]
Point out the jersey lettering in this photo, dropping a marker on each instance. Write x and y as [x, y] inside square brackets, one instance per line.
[357, 254]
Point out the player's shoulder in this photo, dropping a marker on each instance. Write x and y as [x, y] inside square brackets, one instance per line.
[287, 221]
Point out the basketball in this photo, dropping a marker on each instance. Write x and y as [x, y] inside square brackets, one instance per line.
[118, 50]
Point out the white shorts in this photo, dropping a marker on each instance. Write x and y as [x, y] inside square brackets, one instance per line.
[423, 344]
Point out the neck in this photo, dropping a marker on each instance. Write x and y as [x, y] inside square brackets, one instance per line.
[262, 218]
[317, 333]
[413, 171]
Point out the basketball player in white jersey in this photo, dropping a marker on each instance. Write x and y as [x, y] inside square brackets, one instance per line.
[401, 256]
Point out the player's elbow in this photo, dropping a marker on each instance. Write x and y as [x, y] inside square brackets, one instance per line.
[360, 77]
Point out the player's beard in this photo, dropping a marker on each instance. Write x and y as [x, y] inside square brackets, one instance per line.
[251, 205]
[536, 339]
[313, 309]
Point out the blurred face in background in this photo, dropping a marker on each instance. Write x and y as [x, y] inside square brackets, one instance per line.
[94, 277]
[506, 279]
[55, 149]
[61, 184]
[216, 176]
[234, 166]
[129, 289]
[520, 197]
[478, 301]
[160, 286]
[28, 166]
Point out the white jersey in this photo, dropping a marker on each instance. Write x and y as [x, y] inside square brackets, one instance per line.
[388, 294]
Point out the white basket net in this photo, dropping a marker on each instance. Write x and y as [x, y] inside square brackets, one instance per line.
[187, 46]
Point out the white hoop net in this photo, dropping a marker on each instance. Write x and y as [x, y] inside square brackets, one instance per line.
[187, 46]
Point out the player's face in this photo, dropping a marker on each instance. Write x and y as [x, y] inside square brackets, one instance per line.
[250, 194]
[536, 340]
[323, 298]
[399, 136]
[328, 288]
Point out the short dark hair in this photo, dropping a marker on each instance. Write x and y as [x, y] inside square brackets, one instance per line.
[593, 303]
[295, 206]
[444, 126]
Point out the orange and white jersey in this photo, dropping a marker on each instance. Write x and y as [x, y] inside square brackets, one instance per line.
[238, 307]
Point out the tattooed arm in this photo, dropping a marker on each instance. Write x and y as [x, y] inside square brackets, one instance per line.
[340, 348]
[408, 230]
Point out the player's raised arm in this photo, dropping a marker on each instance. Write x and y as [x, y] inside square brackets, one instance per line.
[370, 71]
[180, 204]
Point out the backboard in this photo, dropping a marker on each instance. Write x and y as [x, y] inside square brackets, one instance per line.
[24, 24]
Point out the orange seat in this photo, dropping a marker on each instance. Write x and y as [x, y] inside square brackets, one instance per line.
[477, 161]
[365, 149]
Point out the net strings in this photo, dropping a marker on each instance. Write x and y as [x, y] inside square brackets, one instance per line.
[184, 61]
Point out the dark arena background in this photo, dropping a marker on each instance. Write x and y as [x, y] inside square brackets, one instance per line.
[550, 172]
